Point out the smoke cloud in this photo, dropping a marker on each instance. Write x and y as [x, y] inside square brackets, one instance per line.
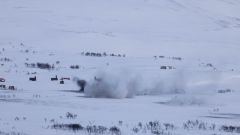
[109, 85]
[127, 84]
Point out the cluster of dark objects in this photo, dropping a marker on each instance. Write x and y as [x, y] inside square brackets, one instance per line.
[4, 87]
[167, 67]
[62, 79]
[94, 54]
[74, 66]
[225, 91]
[232, 129]
[90, 129]
[12, 133]
[196, 124]
[28, 51]
[173, 58]
[5, 59]
[40, 65]
[155, 127]
[71, 115]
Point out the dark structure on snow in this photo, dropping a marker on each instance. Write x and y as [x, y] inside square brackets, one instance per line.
[33, 78]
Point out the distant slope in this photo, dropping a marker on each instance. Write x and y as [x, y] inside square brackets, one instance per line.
[135, 27]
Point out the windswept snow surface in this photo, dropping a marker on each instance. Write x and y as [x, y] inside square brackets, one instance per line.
[121, 91]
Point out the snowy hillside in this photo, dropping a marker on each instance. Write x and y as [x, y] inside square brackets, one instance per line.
[150, 67]
[151, 26]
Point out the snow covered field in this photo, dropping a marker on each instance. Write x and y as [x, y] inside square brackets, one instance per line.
[151, 67]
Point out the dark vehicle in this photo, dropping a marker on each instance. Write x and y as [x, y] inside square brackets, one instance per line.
[33, 78]
[54, 78]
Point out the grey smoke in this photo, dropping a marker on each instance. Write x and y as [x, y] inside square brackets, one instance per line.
[125, 84]
[109, 85]
[171, 83]
[187, 99]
